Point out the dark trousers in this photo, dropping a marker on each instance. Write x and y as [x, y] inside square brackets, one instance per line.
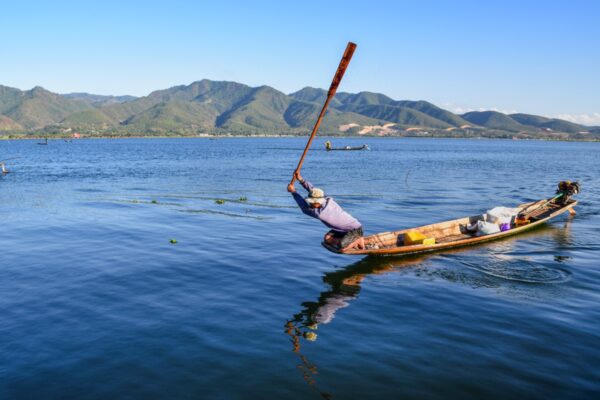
[346, 238]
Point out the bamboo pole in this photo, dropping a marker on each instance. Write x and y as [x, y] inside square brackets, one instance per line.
[339, 74]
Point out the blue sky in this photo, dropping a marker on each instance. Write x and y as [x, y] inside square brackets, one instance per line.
[527, 56]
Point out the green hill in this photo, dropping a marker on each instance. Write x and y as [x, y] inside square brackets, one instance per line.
[37, 107]
[314, 95]
[399, 115]
[9, 98]
[89, 119]
[553, 124]
[172, 116]
[263, 107]
[303, 115]
[434, 111]
[366, 98]
[7, 124]
[231, 107]
[494, 120]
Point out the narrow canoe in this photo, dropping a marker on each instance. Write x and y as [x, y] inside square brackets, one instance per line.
[363, 147]
[452, 234]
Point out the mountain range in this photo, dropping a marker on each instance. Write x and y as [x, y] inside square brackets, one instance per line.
[216, 107]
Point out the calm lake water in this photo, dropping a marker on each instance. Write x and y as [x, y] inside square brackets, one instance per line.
[96, 303]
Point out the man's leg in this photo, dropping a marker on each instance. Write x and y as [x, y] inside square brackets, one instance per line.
[351, 237]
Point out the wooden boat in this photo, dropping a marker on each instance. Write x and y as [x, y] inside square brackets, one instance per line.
[363, 147]
[451, 234]
[328, 147]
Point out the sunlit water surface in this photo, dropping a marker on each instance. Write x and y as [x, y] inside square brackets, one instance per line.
[96, 303]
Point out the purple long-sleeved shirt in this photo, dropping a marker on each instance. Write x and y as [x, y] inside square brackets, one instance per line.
[330, 213]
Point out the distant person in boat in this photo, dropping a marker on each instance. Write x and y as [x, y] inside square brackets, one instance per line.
[345, 229]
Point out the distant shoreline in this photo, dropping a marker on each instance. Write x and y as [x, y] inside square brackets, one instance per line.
[258, 136]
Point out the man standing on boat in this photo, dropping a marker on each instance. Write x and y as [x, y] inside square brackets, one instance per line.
[345, 229]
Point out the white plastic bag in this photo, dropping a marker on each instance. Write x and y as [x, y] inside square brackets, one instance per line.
[486, 228]
[501, 215]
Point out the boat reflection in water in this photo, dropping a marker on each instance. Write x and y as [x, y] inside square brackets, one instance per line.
[345, 287]
[494, 263]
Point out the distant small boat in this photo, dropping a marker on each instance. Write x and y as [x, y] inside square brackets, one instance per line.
[45, 143]
[328, 147]
[451, 234]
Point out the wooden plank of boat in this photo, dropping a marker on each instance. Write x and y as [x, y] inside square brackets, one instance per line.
[452, 234]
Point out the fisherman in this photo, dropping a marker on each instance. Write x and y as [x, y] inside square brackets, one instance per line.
[345, 229]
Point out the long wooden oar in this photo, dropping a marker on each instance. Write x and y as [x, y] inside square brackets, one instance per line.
[339, 74]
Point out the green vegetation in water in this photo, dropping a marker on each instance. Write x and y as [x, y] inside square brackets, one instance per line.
[220, 201]
[194, 211]
[134, 201]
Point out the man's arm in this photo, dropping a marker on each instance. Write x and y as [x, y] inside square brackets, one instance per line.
[304, 206]
[305, 184]
[306, 209]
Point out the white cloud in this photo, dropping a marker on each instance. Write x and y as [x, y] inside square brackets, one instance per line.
[592, 119]
[584, 119]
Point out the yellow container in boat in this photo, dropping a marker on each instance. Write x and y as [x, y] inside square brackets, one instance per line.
[429, 241]
[413, 237]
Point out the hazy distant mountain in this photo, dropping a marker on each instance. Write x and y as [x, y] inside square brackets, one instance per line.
[553, 124]
[231, 107]
[98, 100]
[522, 122]
[493, 120]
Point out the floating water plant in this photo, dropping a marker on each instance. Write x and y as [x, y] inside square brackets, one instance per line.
[220, 201]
